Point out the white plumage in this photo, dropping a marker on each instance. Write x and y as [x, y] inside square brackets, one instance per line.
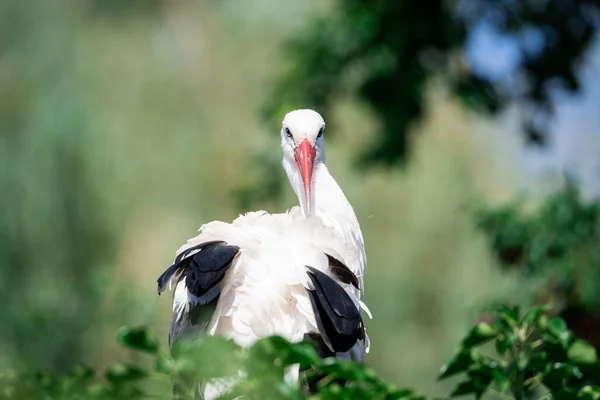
[264, 291]
[252, 278]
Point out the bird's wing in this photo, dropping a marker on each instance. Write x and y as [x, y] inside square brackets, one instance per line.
[197, 271]
[266, 274]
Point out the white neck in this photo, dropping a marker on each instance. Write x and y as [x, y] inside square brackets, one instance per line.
[329, 200]
[329, 203]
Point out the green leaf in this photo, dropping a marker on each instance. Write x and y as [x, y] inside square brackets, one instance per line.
[469, 387]
[138, 339]
[122, 372]
[501, 379]
[556, 374]
[582, 352]
[589, 393]
[481, 376]
[505, 342]
[508, 315]
[534, 314]
[302, 353]
[347, 370]
[558, 328]
[540, 359]
[461, 362]
[480, 334]
[207, 356]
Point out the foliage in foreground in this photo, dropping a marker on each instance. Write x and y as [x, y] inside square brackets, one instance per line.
[535, 357]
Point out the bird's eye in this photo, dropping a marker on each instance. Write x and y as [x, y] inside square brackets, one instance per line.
[288, 133]
[320, 132]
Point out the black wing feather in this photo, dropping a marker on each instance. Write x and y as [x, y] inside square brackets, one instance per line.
[338, 319]
[181, 261]
[185, 253]
[342, 272]
[208, 267]
[202, 271]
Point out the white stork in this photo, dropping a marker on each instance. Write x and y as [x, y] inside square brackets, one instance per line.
[318, 193]
[293, 274]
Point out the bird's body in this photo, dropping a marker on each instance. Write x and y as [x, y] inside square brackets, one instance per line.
[292, 274]
[264, 290]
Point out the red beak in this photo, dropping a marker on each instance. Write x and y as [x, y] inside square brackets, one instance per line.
[305, 158]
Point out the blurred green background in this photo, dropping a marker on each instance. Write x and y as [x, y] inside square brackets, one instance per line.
[125, 125]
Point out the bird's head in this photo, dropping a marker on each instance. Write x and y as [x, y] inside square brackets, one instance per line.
[303, 147]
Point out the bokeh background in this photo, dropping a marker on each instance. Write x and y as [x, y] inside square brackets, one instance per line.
[125, 125]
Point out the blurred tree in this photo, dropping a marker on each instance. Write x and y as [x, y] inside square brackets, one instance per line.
[555, 251]
[387, 50]
[55, 238]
